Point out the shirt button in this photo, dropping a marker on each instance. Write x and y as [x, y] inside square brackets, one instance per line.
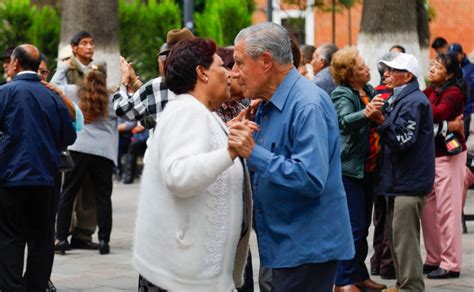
[260, 140]
[265, 118]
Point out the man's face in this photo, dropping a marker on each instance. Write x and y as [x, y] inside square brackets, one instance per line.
[317, 62]
[397, 77]
[43, 71]
[6, 64]
[84, 50]
[13, 68]
[250, 73]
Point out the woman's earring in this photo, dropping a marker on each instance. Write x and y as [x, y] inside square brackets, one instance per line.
[206, 79]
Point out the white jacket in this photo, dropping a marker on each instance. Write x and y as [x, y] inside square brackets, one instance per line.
[190, 209]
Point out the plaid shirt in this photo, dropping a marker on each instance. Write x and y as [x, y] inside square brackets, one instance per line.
[150, 99]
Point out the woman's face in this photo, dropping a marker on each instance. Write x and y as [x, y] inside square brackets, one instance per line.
[219, 83]
[438, 73]
[361, 72]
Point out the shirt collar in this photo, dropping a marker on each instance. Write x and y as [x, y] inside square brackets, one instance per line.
[281, 94]
[397, 90]
[26, 72]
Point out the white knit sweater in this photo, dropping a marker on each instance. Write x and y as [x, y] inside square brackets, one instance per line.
[190, 209]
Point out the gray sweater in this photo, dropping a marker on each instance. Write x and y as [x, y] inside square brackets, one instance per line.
[97, 138]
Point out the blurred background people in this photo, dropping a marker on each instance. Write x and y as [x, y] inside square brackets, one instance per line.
[468, 73]
[6, 59]
[440, 45]
[321, 62]
[397, 49]
[305, 67]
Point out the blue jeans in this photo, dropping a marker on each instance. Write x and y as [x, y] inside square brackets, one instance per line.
[359, 194]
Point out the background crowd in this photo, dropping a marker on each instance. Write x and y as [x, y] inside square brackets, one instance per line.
[299, 133]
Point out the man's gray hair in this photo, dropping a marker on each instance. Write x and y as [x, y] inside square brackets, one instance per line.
[267, 37]
[327, 51]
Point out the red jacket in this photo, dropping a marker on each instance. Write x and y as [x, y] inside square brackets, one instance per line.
[446, 106]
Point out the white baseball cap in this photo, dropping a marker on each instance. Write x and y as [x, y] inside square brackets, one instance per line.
[404, 61]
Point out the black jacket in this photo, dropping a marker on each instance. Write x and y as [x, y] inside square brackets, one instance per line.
[408, 159]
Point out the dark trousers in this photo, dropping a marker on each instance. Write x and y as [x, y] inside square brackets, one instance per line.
[381, 260]
[52, 221]
[25, 214]
[359, 194]
[305, 278]
[100, 170]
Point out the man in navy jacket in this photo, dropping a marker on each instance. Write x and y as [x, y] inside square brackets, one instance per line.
[34, 126]
[408, 166]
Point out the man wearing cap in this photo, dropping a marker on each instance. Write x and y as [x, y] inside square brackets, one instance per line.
[153, 95]
[468, 74]
[408, 165]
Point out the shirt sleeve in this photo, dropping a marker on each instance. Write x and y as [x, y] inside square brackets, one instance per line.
[79, 121]
[302, 166]
[150, 99]
[401, 133]
[188, 163]
[60, 78]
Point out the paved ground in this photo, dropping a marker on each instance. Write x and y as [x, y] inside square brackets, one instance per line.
[89, 271]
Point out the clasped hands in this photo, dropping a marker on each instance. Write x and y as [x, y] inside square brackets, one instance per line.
[240, 140]
[373, 110]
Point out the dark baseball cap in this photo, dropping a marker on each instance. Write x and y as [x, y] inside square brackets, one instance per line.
[455, 48]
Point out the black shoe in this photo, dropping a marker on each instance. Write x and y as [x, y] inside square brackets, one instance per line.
[104, 247]
[429, 268]
[375, 271]
[61, 247]
[83, 244]
[441, 273]
[51, 287]
[388, 276]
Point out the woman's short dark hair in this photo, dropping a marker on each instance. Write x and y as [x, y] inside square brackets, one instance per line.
[227, 56]
[76, 39]
[181, 63]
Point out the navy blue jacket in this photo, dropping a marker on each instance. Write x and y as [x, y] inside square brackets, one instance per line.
[34, 126]
[468, 74]
[408, 156]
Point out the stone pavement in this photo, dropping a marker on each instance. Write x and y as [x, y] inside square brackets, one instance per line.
[82, 270]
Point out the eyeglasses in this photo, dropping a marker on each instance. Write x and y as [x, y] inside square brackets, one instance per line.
[393, 70]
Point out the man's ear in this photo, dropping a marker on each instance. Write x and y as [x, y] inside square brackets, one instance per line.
[267, 60]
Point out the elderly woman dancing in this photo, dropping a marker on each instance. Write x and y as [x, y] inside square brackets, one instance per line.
[193, 222]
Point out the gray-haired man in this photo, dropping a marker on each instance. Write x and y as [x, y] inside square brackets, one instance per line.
[300, 208]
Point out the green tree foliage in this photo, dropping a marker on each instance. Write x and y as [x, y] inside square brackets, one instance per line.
[21, 22]
[142, 31]
[222, 20]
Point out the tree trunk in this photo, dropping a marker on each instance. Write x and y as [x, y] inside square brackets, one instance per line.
[100, 18]
[386, 23]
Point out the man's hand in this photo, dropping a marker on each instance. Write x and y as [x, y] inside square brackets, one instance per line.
[373, 110]
[457, 125]
[241, 138]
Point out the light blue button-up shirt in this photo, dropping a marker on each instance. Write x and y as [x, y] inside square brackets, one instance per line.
[300, 206]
